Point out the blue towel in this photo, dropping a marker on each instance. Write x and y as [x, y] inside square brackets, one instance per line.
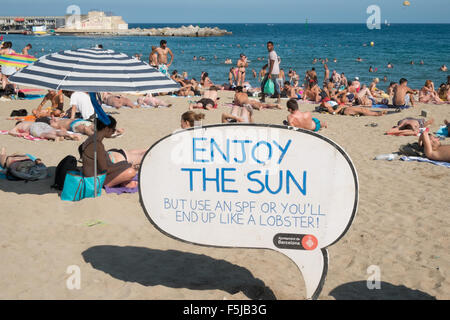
[420, 159]
[442, 132]
[385, 106]
[33, 96]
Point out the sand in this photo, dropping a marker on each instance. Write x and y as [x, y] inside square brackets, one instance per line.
[401, 226]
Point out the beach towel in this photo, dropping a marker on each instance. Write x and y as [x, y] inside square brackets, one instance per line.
[388, 106]
[120, 190]
[420, 159]
[32, 96]
[442, 132]
[27, 137]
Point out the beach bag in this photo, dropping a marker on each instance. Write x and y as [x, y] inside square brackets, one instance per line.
[77, 187]
[27, 170]
[69, 163]
[19, 113]
[269, 87]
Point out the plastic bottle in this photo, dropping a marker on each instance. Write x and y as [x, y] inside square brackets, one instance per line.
[389, 157]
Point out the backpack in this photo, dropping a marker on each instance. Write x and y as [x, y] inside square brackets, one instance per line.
[27, 170]
[69, 163]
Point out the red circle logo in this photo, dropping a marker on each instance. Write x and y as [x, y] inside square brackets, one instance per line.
[309, 242]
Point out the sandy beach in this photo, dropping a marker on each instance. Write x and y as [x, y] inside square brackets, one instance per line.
[401, 226]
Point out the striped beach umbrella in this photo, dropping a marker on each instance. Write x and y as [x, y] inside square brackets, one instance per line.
[93, 70]
[16, 60]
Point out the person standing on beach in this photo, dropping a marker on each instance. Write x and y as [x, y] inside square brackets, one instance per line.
[153, 58]
[162, 52]
[274, 70]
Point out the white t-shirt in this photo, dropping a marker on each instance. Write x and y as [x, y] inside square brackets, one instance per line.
[276, 65]
[83, 103]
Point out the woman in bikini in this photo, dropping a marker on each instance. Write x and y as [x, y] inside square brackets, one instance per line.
[120, 166]
[241, 64]
[428, 95]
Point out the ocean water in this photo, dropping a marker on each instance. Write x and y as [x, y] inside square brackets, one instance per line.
[296, 44]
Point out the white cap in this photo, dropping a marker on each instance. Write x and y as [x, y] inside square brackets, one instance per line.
[357, 78]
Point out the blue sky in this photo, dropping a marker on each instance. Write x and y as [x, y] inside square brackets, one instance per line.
[243, 11]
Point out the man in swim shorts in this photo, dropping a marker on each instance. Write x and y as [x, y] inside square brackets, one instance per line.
[162, 52]
[302, 120]
[403, 95]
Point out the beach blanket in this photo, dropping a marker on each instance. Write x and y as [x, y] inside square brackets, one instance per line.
[442, 132]
[27, 137]
[30, 90]
[420, 159]
[32, 96]
[120, 190]
[16, 60]
[386, 106]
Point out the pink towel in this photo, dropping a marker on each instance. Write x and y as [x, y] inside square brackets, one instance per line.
[28, 137]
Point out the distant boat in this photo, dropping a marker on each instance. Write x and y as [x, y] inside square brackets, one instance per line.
[40, 31]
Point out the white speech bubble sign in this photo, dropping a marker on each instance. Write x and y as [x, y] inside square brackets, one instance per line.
[252, 186]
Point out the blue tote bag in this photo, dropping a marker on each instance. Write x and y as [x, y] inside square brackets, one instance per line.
[77, 186]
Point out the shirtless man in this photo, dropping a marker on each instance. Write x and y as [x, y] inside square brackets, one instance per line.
[403, 95]
[57, 100]
[241, 99]
[364, 98]
[326, 76]
[40, 129]
[153, 58]
[302, 120]
[162, 52]
[433, 148]
[241, 64]
[313, 93]
[409, 127]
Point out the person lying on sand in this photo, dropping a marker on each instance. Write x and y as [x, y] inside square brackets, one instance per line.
[409, 127]
[241, 99]
[433, 148]
[208, 101]
[6, 161]
[117, 100]
[119, 169]
[149, 100]
[56, 109]
[190, 119]
[41, 129]
[239, 114]
[302, 120]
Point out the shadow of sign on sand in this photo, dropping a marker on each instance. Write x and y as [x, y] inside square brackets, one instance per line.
[175, 269]
[358, 291]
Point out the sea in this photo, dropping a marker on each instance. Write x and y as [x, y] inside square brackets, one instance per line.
[296, 44]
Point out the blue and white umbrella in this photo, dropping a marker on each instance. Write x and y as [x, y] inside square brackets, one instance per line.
[94, 70]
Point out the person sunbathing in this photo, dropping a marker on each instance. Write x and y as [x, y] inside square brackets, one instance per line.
[56, 109]
[191, 119]
[117, 100]
[117, 173]
[149, 100]
[6, 161]
[433, 148]
[208, 101]
[409, 127]
[239, 114]
[428, 95]
[312, 93]
[302, 120]
[41, 129]
[241, 99]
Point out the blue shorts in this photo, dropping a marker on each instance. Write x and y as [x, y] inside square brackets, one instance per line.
[317, 121]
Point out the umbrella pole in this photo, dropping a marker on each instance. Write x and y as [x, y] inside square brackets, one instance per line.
[95, 155]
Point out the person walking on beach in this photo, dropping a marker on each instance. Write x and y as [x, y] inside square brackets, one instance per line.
[162, 52]
[241, 64]
[273, 72]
